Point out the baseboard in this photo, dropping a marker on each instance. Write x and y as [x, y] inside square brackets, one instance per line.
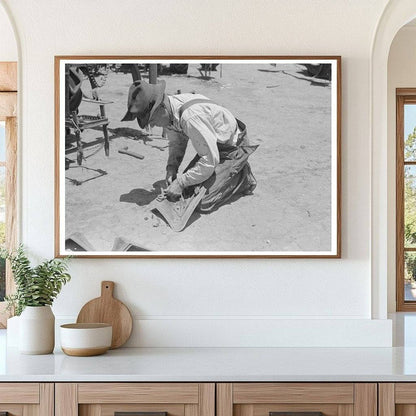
[165, 332]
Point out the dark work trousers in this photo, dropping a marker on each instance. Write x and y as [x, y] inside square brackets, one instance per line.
[232, 176]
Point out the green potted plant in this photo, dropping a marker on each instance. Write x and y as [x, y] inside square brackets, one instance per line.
[36, 289]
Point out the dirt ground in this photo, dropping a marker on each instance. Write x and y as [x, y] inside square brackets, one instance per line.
[287, 114]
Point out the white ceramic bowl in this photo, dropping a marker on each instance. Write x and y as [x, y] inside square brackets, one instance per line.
[83, 340]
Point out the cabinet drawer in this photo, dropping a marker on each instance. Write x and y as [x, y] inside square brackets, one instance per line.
[293, 393]
[138, 393]
[108, 399]
[19, 393]
[297, 399]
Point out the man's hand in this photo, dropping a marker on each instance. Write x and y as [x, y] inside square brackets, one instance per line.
[174, 191]
[170, 176]
[94, 94]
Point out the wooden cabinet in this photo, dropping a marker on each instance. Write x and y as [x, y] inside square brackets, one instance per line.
[27, 399]
[208, 399]
[106, 399]
[297, 399]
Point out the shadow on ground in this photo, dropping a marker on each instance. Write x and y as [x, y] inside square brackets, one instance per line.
[142, 196]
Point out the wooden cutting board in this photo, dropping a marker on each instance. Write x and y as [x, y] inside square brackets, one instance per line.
[107, 309]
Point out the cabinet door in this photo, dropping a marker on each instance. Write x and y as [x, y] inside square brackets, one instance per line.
[26, 399]
[397, 399]
[297, 399]
[144, 399]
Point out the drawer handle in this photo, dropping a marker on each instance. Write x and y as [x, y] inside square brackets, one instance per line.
[296, 414]
[138, 414]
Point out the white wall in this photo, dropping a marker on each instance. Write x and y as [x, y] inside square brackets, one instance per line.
[8, 47]
[179, 302]
[401, 74]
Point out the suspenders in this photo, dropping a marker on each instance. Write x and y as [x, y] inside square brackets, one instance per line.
[192, 102]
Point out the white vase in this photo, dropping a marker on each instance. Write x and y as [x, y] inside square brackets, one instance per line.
[37, 330]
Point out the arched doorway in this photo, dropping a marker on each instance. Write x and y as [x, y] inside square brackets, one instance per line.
[396, 14]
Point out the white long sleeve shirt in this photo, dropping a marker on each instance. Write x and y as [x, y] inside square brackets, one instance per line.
[205, 125]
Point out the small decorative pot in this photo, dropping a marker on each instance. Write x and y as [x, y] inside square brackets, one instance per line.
[37, 330]
[86, 339]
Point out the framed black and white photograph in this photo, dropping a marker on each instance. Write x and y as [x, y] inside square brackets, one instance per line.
[198, 156]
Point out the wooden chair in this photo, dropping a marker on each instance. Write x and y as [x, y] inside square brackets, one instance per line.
[79, 122]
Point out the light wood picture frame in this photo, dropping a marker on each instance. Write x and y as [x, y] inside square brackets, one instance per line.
[273, 193]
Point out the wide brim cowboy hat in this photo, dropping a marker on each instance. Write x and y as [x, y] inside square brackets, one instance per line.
[146, 98]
